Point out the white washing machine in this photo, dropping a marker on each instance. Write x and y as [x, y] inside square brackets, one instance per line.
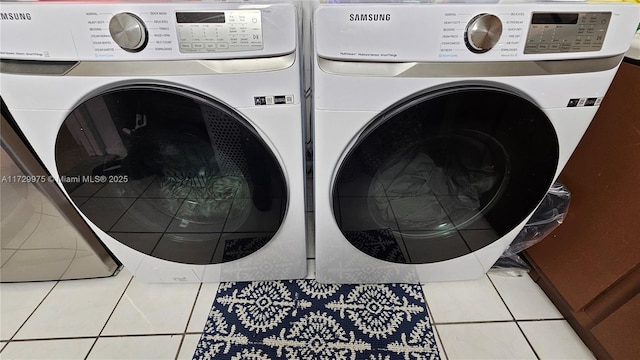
[439, 128]
[175, 128]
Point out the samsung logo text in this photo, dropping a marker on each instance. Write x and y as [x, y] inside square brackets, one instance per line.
[369, 17]
[15, 16]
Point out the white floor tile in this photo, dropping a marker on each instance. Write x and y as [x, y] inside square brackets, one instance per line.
[465, 301]
[66, 349]
[76, 308]
[555, 339]
[203, 307]
[439, 343]
[493, 341]
[152, 309]
[188, 347]
[524, 298]
[136, 348]
[17, 302]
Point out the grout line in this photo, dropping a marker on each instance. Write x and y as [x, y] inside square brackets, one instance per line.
[140, 335]
[436, 332]
[193, 332]
[193, 307]
[102, 336]
[501, 298]
[539, 320]
[199, 333]
[30, 315]
[528, 342]
[180, 347]
[514, 318]
[439, 341]
[475, 322]
[109, 317]
[56, 338]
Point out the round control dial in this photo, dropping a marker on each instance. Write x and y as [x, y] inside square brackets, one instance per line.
[483, 33]
[128, 31]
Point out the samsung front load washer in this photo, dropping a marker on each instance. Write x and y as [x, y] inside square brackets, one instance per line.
[175, 128]
[439, 128]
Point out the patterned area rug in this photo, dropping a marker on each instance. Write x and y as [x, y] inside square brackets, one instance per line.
[303, 319]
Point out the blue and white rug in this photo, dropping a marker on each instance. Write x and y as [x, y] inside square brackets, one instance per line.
[303, 319]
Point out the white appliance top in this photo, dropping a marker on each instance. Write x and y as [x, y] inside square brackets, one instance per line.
[159, 30]
[473, 32]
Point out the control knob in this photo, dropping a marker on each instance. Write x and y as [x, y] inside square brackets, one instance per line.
[128, 31]
[483, 33]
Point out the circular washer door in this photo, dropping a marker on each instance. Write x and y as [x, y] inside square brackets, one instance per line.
[444, 174]
[171, 174]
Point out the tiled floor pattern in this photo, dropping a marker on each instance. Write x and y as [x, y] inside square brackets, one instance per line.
[495, 317]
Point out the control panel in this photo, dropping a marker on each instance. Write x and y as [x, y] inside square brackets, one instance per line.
[505, 31]
[141, 31]
[233, 30]
[198, 31]
[566, 32]
[464, 32]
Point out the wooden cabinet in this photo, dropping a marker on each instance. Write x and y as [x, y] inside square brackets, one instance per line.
[590, 265]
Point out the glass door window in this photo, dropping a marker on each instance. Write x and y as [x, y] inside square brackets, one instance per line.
[444, 174]
[172, 174]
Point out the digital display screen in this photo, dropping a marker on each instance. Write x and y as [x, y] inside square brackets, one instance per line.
[200, 18]
[554, 18]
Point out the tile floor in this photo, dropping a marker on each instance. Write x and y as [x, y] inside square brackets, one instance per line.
[495, 317]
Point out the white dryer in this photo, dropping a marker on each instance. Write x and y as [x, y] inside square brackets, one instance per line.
[439, 128]
[175, 128]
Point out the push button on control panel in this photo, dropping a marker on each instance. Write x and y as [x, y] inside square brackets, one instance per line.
[219, 31]
[566, 32]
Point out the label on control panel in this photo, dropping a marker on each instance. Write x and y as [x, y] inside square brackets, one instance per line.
[101, 41]
[219, 31]
[158, 23]
[452, 37]
[566, 32]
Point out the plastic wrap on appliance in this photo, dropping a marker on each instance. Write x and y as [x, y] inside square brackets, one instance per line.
[547, 217]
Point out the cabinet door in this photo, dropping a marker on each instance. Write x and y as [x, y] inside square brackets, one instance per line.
[598, 243]
[618, 333]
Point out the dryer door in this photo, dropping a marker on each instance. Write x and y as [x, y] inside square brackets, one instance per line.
[171, 174]
[444, 174]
